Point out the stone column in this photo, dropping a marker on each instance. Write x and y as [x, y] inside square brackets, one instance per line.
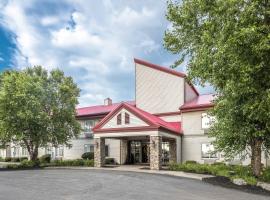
[173, 156]
[155, 152]
[99, 154]
[123, 151]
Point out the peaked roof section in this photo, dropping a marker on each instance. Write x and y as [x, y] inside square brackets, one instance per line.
[99, 110]
[198, 103]
[151, 120]
[166, 70]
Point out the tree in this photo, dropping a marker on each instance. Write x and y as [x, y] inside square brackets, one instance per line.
[228, 45]
[37, 108]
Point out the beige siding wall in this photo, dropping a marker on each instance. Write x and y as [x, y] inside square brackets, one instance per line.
[189, 93]
[171, 118]
[157, 91]
[134, 121]
[192, 123]
[195, 136]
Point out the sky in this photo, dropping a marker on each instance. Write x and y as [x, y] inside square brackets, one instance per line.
[94, 41]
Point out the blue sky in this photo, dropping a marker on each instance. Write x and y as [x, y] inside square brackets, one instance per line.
[92, 41]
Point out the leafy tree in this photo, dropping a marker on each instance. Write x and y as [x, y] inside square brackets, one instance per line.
[37, 108]
[228, 45]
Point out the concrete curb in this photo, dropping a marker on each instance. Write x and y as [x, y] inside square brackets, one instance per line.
[137, 170]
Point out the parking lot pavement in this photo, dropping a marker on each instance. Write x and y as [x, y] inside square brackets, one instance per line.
[68, 184]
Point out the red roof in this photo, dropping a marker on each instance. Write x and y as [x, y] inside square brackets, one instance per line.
[99, 110]
[200, 102]
[152, 120]
[166, 70]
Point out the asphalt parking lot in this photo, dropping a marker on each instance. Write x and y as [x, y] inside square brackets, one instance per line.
[67, 184]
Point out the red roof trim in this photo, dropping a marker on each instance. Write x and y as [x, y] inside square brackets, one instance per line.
[160, 68]
[150, 119]
[166, 70]
[167, 114]
[126, 129]
[114, 112]
[197, 108]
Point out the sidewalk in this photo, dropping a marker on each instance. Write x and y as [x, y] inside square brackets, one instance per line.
[141, 169]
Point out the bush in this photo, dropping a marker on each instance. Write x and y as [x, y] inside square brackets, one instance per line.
[190, 162]
[109, 161]
[89, 163]
[15, 159]
[7, 159]
[12, 166]
[77, 162]
[2, 159]
[45, 158]
[265, 175]
[23, 158]
[88, 156]
[29, 164]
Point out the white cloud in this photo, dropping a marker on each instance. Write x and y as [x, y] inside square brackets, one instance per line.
[93, 41]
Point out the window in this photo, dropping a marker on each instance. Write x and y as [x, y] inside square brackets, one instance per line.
[119, 119]
[16, 151]
[24, 151]
[88, 125]
[207, 121]
[59, 151]
[107, 150]
[208, 151]
[127, 118]
[48, 150]
[88, 148]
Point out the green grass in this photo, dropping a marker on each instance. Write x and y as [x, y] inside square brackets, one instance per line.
[221, 169]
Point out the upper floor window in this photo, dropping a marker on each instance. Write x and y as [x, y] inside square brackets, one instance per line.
[207, 121]
[119, 119]
[87, 125]
[127, 118]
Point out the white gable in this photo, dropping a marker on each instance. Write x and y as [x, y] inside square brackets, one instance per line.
[134, 121]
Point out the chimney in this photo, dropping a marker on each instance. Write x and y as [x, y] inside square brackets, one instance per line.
[108, 101]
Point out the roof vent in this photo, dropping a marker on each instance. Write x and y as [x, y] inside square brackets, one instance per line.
[108, 101]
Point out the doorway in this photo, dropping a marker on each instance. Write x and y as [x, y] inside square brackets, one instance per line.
[139, 152]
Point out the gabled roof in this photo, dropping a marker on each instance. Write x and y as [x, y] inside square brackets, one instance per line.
[166, 70]
[199, 103]
[152, 120]
[99, 109]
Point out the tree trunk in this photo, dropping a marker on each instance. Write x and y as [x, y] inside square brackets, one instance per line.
[34, 154]
[256, 158]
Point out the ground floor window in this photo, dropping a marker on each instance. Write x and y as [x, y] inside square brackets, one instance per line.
[208, 151]
[88, 148]
[24, 151]
[16, 151]
[59, 151]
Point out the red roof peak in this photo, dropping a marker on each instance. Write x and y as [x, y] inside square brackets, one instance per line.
[150, 119]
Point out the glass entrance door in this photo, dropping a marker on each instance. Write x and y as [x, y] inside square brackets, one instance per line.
[135, 152]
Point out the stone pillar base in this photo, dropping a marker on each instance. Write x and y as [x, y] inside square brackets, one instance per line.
[173, 157]
[99, 152]
[155, 152]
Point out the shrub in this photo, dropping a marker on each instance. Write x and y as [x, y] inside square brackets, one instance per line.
[2, 159]
[190, 162]
[12, 166]
[45, 158]
[88, 156]
[109, 161]
[15, 159]
[218, 164]
[7, 159]
[29, 164]
[89, 163]
[265, 175]
[23, 158]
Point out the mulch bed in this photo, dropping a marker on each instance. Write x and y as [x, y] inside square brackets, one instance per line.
[226, 182]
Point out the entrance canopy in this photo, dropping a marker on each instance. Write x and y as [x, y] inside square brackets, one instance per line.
[129, 121]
